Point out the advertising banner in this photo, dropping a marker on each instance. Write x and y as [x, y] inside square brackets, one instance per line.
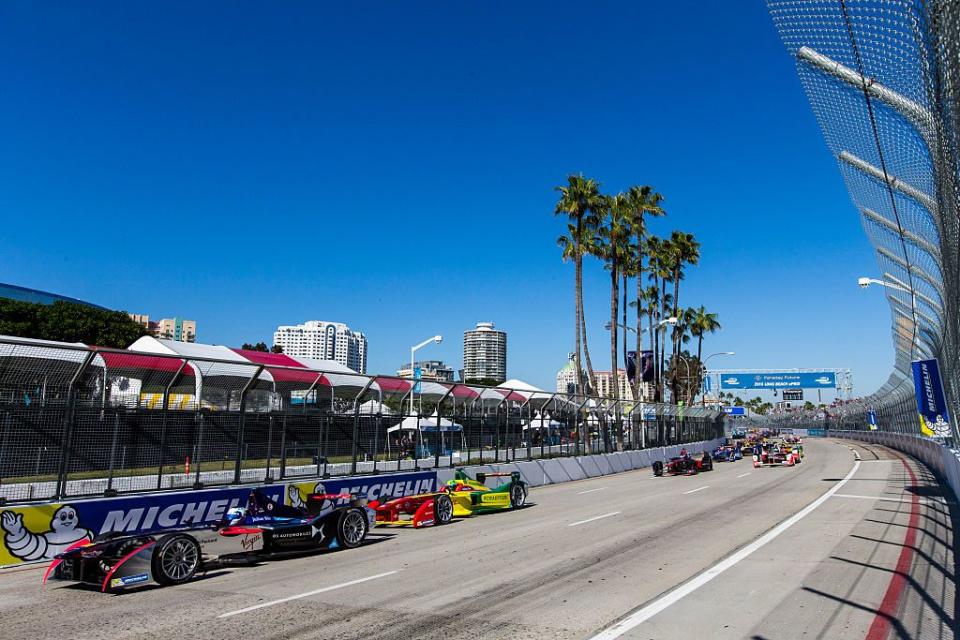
[735, 411]
[36, 533]
[780, 380]
[931, 401]
[646, 366]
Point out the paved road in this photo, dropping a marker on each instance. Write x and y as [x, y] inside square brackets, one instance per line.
[874, 558]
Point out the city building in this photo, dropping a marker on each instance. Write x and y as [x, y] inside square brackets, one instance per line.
[567, 377]
[485, 353]
[23, 294]
[168, 328]
[604, 380]
[434, 370]
[322, 340]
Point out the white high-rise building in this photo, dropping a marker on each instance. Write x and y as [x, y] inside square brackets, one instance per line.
[322, 340]
[485, 353]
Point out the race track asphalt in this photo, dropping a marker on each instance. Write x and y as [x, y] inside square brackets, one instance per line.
[595, 558]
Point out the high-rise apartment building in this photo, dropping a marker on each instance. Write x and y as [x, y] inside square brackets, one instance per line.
[322, 340]
[168, 328]
[485, 353]
[567, 377]
[624, 392]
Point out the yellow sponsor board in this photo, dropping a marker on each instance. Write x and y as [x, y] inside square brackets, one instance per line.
[39, 532]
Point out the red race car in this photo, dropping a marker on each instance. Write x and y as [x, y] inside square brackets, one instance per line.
[774, 455]
[684, 464]
[422, 510]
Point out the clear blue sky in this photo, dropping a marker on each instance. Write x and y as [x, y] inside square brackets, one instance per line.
[391, 165]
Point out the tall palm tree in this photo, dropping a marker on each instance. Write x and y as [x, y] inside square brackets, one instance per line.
[684, 250]
[701, 324]
[578, 198]
[659, 251]
[641, 201]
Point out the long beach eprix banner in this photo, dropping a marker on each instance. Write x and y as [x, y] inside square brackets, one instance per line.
[780, 380]
[931, 402]
[35, 533]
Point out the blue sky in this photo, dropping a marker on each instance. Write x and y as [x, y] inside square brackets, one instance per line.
[392, 165]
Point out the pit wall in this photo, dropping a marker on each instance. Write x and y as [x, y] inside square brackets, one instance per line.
[36, 533]
[541, 472]
[944, 461]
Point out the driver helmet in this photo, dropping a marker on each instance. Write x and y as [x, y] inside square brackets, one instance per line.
[234, 516]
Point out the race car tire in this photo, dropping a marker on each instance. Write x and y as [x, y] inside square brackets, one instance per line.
[657, 468]
[352, 528]
[518, 497]
[176, 559]
[442, 509]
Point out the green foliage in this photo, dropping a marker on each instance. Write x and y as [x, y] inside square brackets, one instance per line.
[260, 346]
[69, 322]
[482, 382]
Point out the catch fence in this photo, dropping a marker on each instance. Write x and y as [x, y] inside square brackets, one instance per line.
[79, 421]
[883, 79]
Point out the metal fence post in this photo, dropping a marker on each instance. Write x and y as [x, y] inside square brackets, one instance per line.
[163, 423]
[68, 421]
[241, 423]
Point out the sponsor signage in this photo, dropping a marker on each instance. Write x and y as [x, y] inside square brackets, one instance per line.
[872, 419]
[792, 395]
[36, 533]
[931, 401]
[735, 411]
[646, 366]
[779, 380]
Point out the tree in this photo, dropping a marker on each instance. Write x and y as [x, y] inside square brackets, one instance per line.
[69, 322]
[641, 201]
[686, 375]
[276, 349]
[683, 250]
[701, 323]
[578, 199]
[260, 346]
[657, 251]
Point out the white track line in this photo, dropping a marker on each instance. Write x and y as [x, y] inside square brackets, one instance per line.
[706, 486]
[744, 475]
[305, 595]
[606, 515]
[580, 493]
[849, 495]
[640, 616]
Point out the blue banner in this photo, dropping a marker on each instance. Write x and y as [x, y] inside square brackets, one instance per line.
[931, 402]
[734, 411]
[780, 380]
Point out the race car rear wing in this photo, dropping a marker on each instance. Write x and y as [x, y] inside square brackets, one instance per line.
[513, 475]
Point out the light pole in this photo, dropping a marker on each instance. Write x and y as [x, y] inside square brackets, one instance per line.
[704, 366]
[413, 350]
[866, 282]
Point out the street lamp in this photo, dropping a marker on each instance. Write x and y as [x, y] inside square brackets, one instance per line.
[413, 350]
[660, 325]
[704, 366]
[866, 282]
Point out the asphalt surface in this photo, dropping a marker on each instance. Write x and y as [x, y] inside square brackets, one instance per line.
[627, 556]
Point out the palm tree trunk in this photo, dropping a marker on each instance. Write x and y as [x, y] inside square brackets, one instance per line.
[676, 330]
[624, 311]
[591, 378]
[614, 339]
[577, 287]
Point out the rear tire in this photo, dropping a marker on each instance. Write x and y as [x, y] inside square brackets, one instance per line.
[176, 559]
[442, 509]
[518, 497]
[352, 528]
[657, 468]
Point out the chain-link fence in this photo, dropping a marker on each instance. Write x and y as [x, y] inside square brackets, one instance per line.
[78, 421]
[883, 78]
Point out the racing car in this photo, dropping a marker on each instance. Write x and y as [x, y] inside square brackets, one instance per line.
[422, 510]
[774, 455]
[683, 465]
[261, 530]
[474, 496]
[727, 453]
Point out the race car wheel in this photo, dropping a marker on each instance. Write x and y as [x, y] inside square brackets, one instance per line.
[518, 497]
[442, 509]
[657, 468]
[352, 528]
[176, 559]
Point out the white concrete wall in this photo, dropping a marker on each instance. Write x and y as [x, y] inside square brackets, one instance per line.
[555, 470]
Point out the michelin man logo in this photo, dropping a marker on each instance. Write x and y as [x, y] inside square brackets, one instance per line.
[297, 500]
[26, 545]
[940, 428]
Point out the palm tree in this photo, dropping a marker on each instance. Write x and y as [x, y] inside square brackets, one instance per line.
[578, 198]
[701, 324]
[684, 250]
[658, 252]
[641, 201]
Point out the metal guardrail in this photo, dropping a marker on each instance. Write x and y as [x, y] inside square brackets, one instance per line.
[79, 421]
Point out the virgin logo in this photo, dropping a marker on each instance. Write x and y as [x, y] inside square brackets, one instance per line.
[250, 541]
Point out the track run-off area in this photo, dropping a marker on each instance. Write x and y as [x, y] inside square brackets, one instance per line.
[834, 548]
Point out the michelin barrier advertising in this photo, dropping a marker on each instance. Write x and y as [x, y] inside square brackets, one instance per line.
[36, 533]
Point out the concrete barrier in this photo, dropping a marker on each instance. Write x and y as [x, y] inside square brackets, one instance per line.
[537, 473]
[944, 461]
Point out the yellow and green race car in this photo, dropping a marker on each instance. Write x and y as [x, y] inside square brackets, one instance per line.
[474, 496]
